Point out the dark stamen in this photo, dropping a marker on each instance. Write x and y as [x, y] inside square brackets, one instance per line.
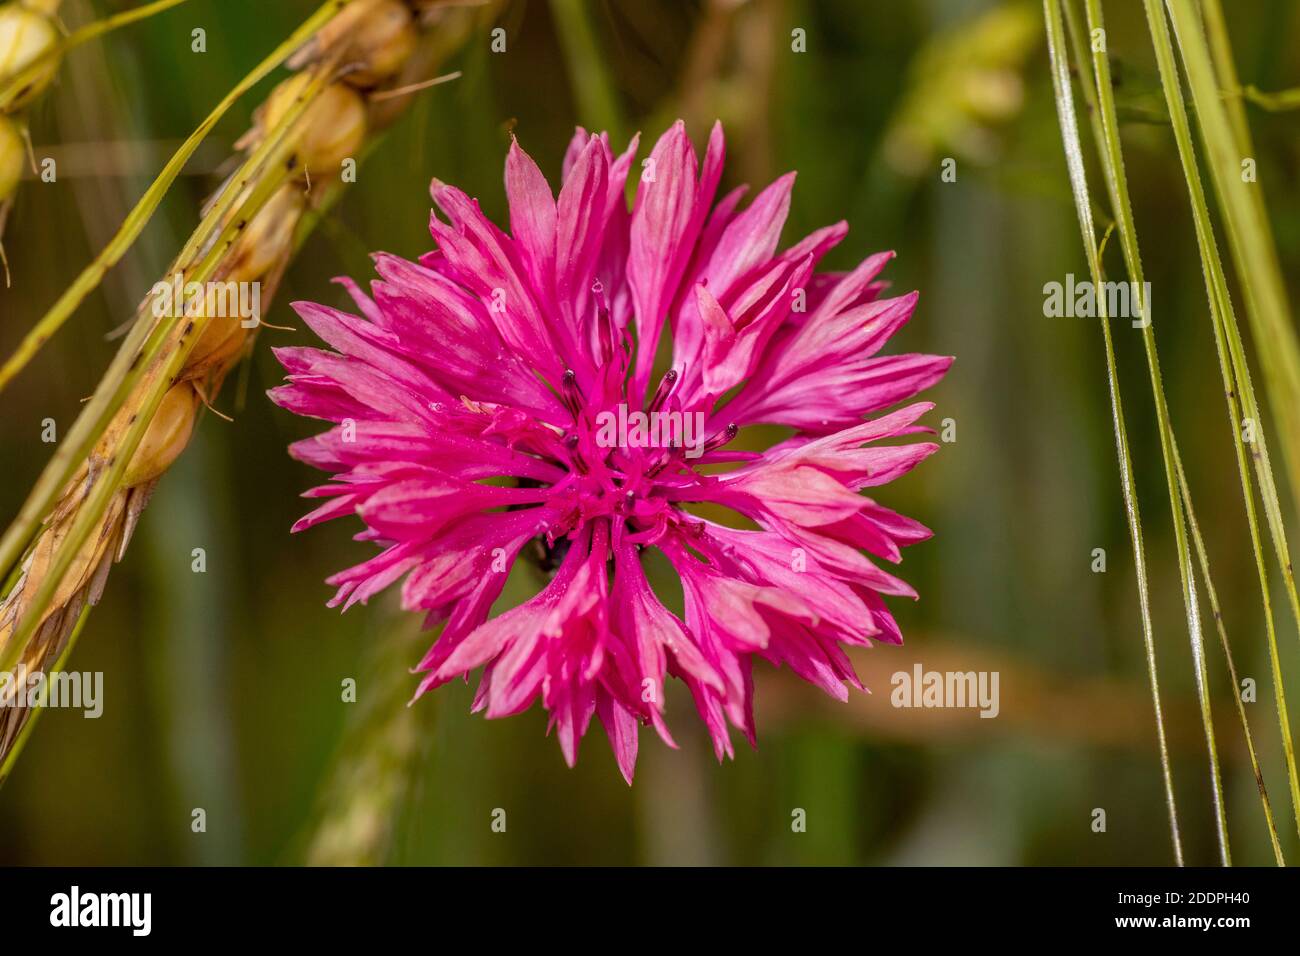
[571, 445]
[569, 393]
[605, 327]
[666, 386]
[722, 437]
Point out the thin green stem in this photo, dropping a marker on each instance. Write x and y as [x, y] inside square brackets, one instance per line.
[1056, 43]
[1203, 560]
[1273, 102]
[1112, 158]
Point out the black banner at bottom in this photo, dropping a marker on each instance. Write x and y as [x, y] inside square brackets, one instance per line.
[335, 906]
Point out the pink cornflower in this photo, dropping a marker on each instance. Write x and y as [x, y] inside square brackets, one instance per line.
[488, 399]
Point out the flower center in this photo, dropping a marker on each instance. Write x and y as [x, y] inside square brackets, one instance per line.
[622, 460]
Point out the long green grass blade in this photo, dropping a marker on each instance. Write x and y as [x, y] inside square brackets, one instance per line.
[1250, 237]
[1203, 560]
[1238, 388]
[1056, 43]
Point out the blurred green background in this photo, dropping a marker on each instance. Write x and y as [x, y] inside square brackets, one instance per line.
[222, 690]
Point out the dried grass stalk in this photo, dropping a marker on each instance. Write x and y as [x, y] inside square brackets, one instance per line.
[168, 367]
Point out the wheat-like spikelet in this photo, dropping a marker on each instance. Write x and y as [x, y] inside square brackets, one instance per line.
[320, 116]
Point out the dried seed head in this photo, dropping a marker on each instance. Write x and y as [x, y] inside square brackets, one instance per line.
[331, 129]
[24, 36]
[267, 241]
[376, 37]
[167, 436]
[11, 157]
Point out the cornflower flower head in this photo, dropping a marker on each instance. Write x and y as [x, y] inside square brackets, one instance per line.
[499, 398]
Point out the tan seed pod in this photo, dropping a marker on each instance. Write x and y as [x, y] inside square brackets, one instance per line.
[11, 157]
[166, 437]
[25, 35]
[268, 239]
[375, 36]
[222, 337]
[330, 130]
[383, 41]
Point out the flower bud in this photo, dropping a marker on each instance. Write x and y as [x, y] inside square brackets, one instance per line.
[11, 157]
[26, 35]
[331, 129]
[166, 437]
